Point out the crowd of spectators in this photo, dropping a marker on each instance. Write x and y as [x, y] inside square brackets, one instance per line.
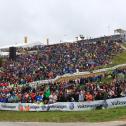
[47, 62]
[78, 90]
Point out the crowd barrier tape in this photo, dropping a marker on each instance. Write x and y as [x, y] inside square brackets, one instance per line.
[64, 106]
[77, 73]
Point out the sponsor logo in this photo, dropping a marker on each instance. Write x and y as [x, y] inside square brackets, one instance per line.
[57, 106]
[88, 106]
[45, 108]
[8, 106]
[20, 107]
[118, 103]
[71, 106]
[23, 108]
[34, 107]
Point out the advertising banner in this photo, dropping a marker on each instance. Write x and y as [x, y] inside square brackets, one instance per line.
[65, 106]
[59, 106]
[116, 102]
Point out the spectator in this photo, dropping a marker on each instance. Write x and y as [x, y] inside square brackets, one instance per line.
[47, 62]
[52, 98]
[89, 96]
[81, 96]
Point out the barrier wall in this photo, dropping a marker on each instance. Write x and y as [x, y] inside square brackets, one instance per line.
[64, 106]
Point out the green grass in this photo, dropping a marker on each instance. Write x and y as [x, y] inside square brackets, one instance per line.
[85, 116]
[124, 44]
[119, 59]
[106, 80]
[116, 60]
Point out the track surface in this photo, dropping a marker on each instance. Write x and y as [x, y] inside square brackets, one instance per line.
[114, 123]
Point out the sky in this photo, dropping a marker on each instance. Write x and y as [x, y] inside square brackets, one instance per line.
[59, 20]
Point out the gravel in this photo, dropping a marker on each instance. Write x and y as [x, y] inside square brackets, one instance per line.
[113, 123]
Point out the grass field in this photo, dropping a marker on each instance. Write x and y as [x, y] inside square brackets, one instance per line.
[116, 60]
[119, 59]
[85, 116]
[124, 44]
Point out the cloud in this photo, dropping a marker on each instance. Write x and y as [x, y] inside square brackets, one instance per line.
[59, 20]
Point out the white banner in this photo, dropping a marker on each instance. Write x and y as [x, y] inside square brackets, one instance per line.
[117, 102]
[77, 74]
[8, 106]
[64, 106]
[59, 106]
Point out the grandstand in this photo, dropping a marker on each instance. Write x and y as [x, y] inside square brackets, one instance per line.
[32, 76]
[53, 60]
